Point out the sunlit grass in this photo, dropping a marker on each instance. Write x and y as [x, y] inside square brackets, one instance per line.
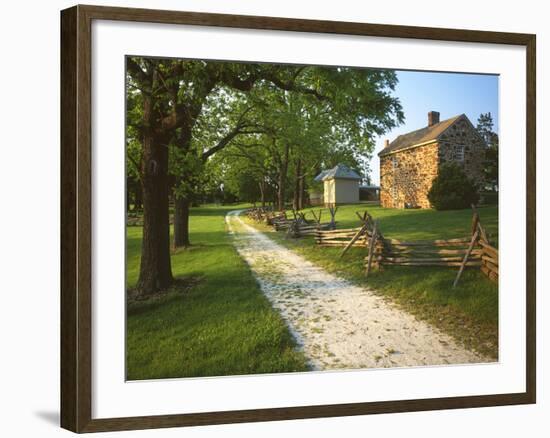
[215, 321]
[469, 312]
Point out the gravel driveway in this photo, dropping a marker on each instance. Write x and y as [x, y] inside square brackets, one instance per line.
[335, 323]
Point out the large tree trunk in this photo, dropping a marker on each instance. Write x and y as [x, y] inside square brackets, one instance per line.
[183, 203]
[262, 192]
[302, 192]
[181, 222]
[297, 199]
[282, 180]
[155, 271]
[281, 193]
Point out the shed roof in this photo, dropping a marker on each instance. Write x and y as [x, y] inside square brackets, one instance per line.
[420, 136]
[340, 171]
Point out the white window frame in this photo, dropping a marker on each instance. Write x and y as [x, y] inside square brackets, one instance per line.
[458, 155]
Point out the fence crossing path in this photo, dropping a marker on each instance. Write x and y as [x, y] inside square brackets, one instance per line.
[336, 323]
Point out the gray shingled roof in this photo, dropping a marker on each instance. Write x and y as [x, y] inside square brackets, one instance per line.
[423, 135]
[339, 171]
[320, 176]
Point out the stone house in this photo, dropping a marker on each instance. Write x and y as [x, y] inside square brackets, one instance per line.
[340, 185]
[409, 164]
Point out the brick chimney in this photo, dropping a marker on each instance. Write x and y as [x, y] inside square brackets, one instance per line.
[433, 118]
[386, 143]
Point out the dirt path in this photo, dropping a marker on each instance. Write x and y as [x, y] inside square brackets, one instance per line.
[338, 324]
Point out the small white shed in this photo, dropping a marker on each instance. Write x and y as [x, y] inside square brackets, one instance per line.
[340, 185]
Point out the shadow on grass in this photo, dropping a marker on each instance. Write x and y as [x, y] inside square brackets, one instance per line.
[221, 326]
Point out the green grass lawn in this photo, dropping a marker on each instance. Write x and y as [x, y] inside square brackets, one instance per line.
[416, 224]
[214, 321]
[469, 312]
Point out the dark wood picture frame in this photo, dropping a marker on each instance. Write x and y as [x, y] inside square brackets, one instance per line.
[76, 217]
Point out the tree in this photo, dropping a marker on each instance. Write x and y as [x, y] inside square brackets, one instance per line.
[452, 189]
[247, 158]
[240, 179]
[172, 94]
[306, 134]
[224, 116]
[357, 96]
[144, 116]
[490, 169]
[176, 95]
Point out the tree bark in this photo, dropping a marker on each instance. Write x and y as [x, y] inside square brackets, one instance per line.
[155, 271]
[301, 191]
[297, 200]
[181, 222]
[262, 192]
[282, 180]
[182, 203]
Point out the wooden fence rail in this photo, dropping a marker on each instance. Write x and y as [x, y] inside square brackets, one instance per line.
[430, 253]
[469, 251]
[297, 225]
[489, 261]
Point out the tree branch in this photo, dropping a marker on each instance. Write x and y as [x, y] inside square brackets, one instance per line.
[293, 86]
[135, 69]
[233, 81]
[227, 139]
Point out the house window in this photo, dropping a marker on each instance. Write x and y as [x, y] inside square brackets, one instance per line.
[394, 162]
[458, 154]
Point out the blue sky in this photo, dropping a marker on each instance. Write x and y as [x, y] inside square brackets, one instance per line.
[449, 93]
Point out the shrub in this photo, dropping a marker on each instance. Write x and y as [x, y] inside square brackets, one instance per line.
[452, 189]
[489, 198]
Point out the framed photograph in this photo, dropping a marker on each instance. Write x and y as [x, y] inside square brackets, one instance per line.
[269, 218]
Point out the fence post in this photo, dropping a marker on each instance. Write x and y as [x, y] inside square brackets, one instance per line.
[333, 209]
[359, 233]
[468, 252]
[372, 244]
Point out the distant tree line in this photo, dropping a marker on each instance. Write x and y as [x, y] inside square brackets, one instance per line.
[485, 126]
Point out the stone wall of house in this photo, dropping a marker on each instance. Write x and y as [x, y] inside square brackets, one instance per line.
[407, 175]
[461, 143]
